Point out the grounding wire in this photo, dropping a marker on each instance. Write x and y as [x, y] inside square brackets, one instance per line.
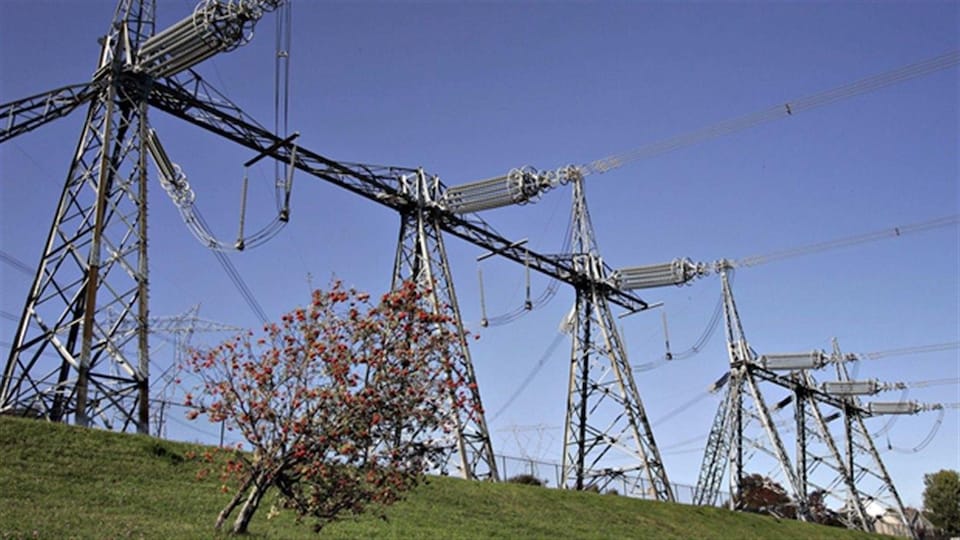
[791, 108]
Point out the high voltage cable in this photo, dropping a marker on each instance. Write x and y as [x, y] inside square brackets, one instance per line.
[790, 108]
[924, 442]
[945, 221]
[240, 285]
[15, 263]
[920, 349]
[933, 382]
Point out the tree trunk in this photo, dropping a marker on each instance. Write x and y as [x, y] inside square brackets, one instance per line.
[257, 490]
[225, 513]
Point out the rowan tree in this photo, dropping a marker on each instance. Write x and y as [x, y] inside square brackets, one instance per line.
[342, 404]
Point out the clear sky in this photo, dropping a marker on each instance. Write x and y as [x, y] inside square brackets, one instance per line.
[469, 91]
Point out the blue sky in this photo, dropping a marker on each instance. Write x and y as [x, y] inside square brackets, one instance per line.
[469, 91]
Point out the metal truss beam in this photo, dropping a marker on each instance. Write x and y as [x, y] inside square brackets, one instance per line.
[195, 101]
[27, 114]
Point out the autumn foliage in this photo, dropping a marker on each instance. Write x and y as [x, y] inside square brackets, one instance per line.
[344, 404]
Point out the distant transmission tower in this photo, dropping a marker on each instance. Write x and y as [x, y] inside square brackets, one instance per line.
[873, 482]
[182, 328]
[729, 444]
[605, 416]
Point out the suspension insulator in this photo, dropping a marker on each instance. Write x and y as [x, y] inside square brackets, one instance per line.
[851, 388]
[520, 186]
[215, 26]
[893, 407]
[793, 361]
[675, 272]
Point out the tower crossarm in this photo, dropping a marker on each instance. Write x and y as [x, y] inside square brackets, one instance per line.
[27, 114]
[194, 100]
[811, 390]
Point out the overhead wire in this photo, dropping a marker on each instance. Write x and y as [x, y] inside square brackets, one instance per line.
[933, 382]
[906, 351]
[923, 442]
[712, 324]
[16, 263]
[893, 232]
[789, 108]
[241, 286]
[544, 298]
[681, 408]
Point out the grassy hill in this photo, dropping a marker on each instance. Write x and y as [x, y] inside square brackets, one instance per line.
[59, 481]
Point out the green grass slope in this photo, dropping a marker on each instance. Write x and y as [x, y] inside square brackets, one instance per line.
[59, 481]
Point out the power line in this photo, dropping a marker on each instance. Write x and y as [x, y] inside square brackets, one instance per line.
[933, 382]
[790, 108]
[16, 263]
[905, 351]
[893, 232]
[240, 285]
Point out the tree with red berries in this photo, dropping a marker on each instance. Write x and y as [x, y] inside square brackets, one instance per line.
[344, 404]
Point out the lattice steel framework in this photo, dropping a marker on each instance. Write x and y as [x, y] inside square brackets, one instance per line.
[422, 258]
[727, 443]
[605, 418]
[95, 258]
[812, 426]
[868, 472]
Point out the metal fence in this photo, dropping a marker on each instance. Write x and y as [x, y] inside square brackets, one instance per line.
[550, 473]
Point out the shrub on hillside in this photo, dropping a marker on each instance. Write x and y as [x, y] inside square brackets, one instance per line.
[527, 479]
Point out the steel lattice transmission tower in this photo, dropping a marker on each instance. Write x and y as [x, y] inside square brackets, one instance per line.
[605, 416]
[743, 404]
[422, 258]
[726, 443]
[862, 458]
[95, 257]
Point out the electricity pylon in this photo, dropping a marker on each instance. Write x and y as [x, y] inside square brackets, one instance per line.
[89, 298]
[867, 469]
[95, 259]
[422, 258]
[605, 417]
[727, 443]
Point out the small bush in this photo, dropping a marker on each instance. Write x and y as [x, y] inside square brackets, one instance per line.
[527, 479]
